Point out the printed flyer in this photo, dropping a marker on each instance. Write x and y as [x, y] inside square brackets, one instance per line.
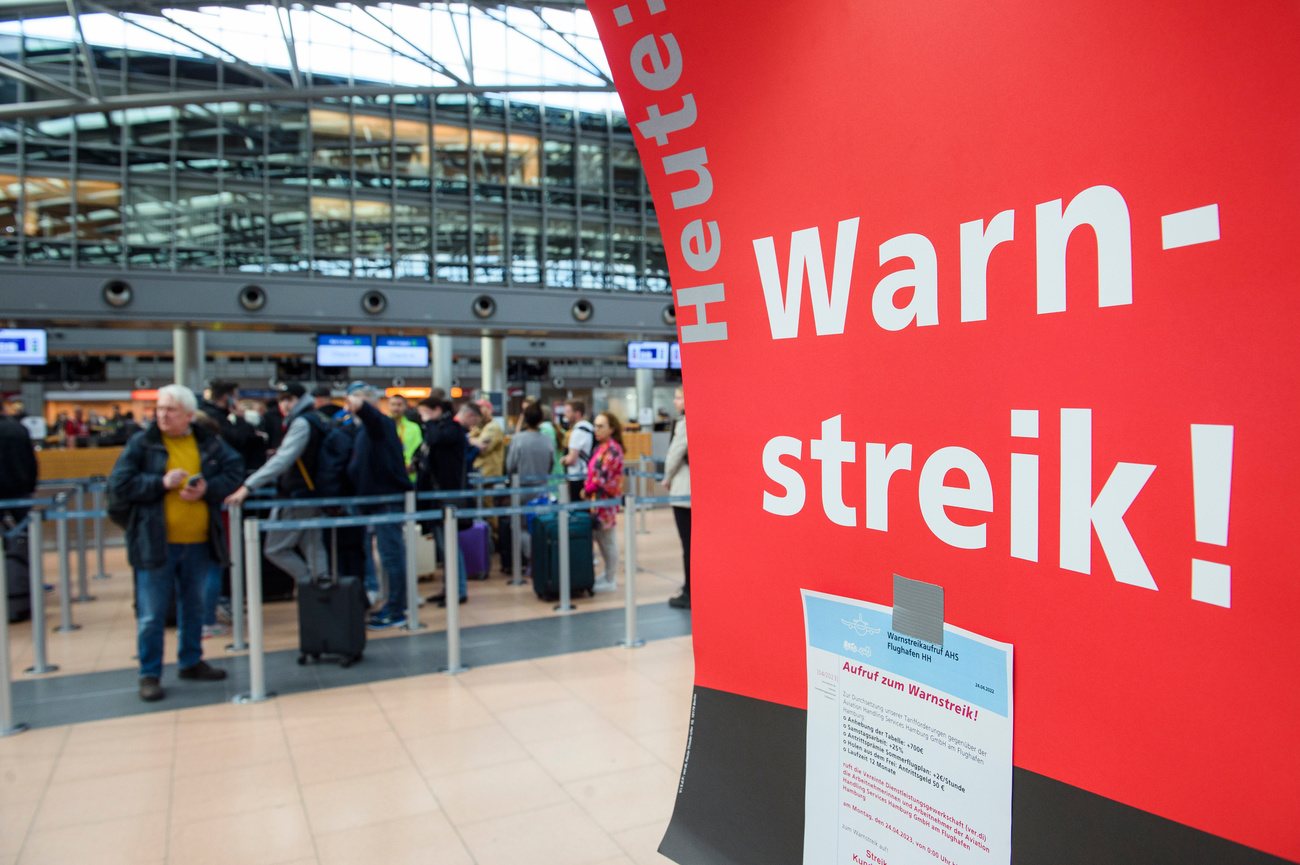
[909, 743]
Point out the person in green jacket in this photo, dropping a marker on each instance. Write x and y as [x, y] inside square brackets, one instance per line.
[407, 430]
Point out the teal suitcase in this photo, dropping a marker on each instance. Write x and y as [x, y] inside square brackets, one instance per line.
[546, 555]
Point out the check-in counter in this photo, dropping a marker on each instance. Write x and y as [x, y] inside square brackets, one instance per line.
[57, 463]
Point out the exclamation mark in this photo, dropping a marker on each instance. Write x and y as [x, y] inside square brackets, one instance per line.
[1212, 491]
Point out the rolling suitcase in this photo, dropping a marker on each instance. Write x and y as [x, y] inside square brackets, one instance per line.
[474, 545]
[332, 619]
[546, 555]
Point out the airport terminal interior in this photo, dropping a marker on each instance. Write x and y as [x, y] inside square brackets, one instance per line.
[436, 209]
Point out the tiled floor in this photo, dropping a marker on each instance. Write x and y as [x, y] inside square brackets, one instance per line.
[106, 639]
[571, 759]
[566, 759]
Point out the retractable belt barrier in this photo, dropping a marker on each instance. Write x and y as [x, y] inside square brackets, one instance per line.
[245, 556]
[34, 524]
[479, 480]
[96, 485]
[449, 515]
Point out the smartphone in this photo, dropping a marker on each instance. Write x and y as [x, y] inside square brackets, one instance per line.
[193, 479]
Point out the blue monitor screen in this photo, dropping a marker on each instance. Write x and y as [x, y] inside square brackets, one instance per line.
[336, 349]
[647, 355]
[402, 351]
[22, 347]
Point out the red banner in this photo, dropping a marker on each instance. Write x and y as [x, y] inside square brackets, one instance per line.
[1001, 297]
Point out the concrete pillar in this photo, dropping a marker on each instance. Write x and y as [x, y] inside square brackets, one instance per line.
[645, 396]
[33, 399]
[440, 360]
[493, 362]
[189, 350]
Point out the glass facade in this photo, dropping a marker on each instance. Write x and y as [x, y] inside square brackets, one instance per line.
[456, 188]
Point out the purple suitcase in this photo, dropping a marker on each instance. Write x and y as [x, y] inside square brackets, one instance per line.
[474, 546]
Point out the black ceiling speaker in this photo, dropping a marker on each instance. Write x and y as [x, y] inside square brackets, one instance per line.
[252, 297]
[373, 302]
[117, 293]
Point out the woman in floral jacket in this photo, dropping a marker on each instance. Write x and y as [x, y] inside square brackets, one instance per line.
[605, 480]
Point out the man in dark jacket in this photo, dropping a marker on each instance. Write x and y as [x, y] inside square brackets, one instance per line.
[378, 468]
[18, 480]
[174, 475]
[223, 407]
[441, 458]
[442, 466]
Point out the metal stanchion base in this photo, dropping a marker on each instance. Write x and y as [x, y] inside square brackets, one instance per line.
[13, 731]
[519, 582]
[102, 577]
[416, 628]
[60, 629]
[82, 599]
[48, 668]
[231, 647]
[244, 699]
[560, 608]
[450, 672]
[637, 643]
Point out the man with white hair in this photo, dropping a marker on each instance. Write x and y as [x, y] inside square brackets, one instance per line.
[174, 475]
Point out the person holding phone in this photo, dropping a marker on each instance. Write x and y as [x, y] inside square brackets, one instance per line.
[174, 475]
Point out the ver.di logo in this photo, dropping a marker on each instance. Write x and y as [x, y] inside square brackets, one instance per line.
[860, 627]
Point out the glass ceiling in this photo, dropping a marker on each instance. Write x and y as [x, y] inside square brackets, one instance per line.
[425, 45]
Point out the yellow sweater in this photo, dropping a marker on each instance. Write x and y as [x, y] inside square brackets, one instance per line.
[187, 522]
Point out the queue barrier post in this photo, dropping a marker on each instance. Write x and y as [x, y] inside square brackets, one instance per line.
[235, 515]
[97, 500]
[642, 489]
[630, 639]
[411, 536]
[257, 692]
[7, 725]
[65, 572]
[451, 587]
[36, 583]
[516, 535]
[79, 502]
[566, 599]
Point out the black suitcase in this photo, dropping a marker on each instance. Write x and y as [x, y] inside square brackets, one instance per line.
[332, 619]
[506, 541]
[546, 555]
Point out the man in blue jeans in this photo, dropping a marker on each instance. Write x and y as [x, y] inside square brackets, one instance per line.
[378, 468]
[174, 476]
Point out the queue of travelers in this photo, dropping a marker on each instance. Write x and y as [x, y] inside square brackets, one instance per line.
[173, 477]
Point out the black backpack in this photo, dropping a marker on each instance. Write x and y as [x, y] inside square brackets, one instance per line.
[119, 510]
[332, 461]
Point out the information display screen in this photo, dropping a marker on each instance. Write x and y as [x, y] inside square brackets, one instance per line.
[675, 356]
[402, 351]
[647, 355]
[336, 349]
[22, 347]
